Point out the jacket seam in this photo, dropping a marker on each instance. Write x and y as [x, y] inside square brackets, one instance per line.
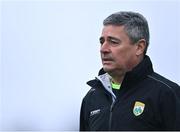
[160, 81]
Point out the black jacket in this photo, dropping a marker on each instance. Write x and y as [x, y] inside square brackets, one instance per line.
[159, 101]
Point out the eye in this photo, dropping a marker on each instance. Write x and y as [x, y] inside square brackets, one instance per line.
[114, 42]
[101, 40]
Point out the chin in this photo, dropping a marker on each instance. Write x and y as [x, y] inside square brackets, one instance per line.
[107, 69]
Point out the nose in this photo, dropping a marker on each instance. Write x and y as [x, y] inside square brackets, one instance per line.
[105, 47]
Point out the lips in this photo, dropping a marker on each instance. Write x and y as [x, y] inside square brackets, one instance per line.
[106, 60]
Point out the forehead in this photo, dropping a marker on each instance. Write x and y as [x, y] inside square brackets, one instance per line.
[113, 30]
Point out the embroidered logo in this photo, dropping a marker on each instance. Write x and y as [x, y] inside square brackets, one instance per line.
[138, 108]
[94, 112]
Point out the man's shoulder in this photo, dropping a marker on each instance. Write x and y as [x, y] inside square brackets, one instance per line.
[95, 88]
[163, 81]
[90, 93]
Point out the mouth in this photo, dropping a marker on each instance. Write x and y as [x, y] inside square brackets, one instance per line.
[106, 60]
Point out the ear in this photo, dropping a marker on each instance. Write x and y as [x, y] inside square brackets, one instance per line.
[141, 45]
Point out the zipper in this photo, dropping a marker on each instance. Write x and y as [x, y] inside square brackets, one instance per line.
[110, 116]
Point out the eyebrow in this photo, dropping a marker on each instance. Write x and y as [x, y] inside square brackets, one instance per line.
[110, 37]
[113, 38]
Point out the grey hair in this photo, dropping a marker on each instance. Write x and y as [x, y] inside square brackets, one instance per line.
[135, 25]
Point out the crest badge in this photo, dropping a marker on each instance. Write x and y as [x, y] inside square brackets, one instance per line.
[138, 108]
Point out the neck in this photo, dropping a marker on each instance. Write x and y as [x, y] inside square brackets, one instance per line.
[117, 79]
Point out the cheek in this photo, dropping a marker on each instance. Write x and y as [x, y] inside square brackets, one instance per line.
[122, 54]
[124, 57]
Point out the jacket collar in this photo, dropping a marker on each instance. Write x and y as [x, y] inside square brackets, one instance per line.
[137, 74]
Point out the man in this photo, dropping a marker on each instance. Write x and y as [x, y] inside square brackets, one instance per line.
[128, 94]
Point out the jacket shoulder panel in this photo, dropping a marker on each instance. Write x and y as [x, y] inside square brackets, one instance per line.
[162, 81]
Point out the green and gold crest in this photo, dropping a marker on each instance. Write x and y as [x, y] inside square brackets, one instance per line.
[138, 108]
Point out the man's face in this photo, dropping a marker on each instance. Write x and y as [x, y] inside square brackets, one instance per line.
[118, 54]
